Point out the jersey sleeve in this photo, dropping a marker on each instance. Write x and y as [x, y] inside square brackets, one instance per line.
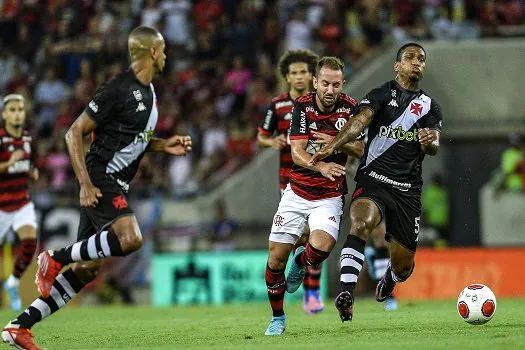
[299, 127]
[269, 124]
[100, 107]
[373, 100]
[435, 117]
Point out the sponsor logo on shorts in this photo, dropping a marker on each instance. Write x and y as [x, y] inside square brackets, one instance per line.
[403, 186]
[332, 218]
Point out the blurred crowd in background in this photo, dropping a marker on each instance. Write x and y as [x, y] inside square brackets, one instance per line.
[221, 66]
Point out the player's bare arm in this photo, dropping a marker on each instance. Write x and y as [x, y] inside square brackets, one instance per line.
[429, 140]
[353, 148]
[352, 129]
[15, 156]
[177, 145]
[84, 125]
[301, 157]
[277, 142]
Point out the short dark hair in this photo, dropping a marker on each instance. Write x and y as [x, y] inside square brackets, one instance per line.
[331, 62]
[402, 49]
[297, 56]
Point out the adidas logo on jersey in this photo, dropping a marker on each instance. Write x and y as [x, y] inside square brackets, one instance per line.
[393, 103]
[313, 126]
[365, 101]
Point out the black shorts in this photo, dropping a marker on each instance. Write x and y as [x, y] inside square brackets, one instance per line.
[400, 210]
[112, 205]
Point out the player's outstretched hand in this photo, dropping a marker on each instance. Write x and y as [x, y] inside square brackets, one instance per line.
[278, 142]
[321, 154]
[178, 145]
[427, 136]
[322, 139]
[89, 195]
[331, 170]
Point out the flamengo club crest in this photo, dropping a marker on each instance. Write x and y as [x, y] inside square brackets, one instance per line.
[340, 123]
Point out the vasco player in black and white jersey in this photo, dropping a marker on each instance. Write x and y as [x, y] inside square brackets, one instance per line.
[122, 117]
[314, 196]
[404, 125]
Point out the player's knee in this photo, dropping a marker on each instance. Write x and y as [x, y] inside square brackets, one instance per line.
[130, 239]
[276, 262]
[86, 271]
[360, 229]
[131, 243]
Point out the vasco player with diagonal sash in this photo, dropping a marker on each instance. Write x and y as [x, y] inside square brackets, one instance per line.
[314, 195]
[298, 68]
[122, 117]
[17, 212]
[404, 125]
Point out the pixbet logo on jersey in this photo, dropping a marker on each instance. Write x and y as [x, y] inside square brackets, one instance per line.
[398, 133]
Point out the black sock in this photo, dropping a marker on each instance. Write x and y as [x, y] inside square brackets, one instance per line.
[352, 258]
[65, 287]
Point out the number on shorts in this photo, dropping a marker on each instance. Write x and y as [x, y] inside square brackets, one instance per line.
[416, 224]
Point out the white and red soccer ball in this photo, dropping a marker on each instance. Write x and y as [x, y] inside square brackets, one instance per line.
[476, 304]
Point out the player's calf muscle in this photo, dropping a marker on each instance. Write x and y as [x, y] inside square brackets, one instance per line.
[86, 271]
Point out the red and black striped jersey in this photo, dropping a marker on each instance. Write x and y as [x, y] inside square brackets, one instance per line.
[307, 117]
[277, 121]
[14, 183]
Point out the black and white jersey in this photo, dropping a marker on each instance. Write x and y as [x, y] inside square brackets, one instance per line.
[125, 112]
[393, 154]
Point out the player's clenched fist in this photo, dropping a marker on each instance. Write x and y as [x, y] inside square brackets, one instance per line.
[278, 142]
[89, 195]
[427, 136]
[178, 145]
[331, 170]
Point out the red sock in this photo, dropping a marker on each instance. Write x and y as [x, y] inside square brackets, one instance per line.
[312, 277]
[311, 256]
[23, 256]
[276, 286]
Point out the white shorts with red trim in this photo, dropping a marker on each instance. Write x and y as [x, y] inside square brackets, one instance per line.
[294, 212]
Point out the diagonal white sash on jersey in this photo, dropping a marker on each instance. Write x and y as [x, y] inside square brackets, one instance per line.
[127, 155]
[380, 144]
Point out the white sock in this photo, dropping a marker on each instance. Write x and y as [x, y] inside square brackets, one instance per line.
[12, 281]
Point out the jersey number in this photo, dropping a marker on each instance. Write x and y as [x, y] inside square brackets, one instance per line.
[416, 224]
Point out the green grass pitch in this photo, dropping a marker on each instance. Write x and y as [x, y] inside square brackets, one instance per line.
[418, 325]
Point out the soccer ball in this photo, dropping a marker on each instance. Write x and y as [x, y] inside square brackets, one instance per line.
[476, 304]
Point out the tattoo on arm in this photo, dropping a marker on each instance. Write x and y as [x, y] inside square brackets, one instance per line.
[353, 127]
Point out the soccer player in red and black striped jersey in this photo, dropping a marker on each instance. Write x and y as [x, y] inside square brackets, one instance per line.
[17, 212]
[298, 68]
[314, 196]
